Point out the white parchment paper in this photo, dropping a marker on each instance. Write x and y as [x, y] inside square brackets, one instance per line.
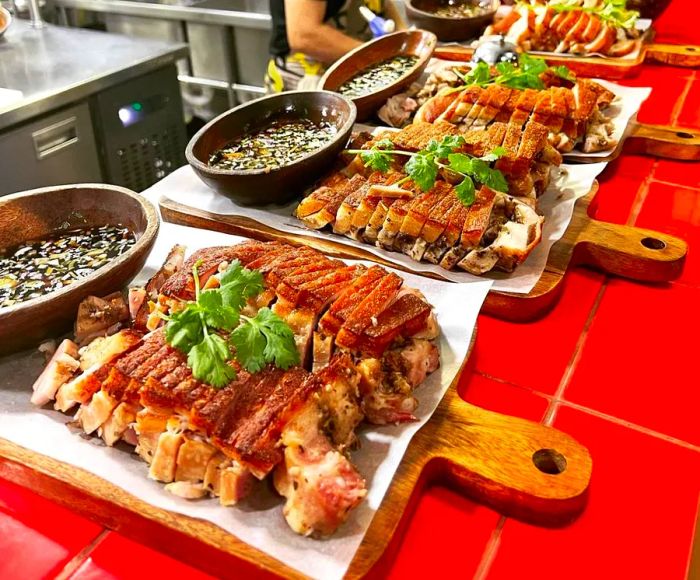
[258, 520]
[556, 204]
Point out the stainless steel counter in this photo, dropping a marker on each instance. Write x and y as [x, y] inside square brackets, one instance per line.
[235, 13]
[55, 66]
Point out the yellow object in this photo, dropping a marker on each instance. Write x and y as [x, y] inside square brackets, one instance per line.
[311, 68]
[274, 78]
[375, 6]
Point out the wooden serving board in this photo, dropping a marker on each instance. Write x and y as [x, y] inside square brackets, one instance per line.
[520, 468]
[682, 144]
[687, 56]
[621, 250]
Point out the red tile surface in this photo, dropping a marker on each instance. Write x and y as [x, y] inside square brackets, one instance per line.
[639, 519]
[676, 210]
[39, 536]
[675, 26]
[502, 397]
[685, 173]
[637, 363]
[117, 557]
[619, 184]
[667, 83]
[535, 354]
[690, 115]
[445, 529]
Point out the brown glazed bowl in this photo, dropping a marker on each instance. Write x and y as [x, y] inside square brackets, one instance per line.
[422, 14]
[264, 186]
[42, 212]
[648, 8]
[404, 43]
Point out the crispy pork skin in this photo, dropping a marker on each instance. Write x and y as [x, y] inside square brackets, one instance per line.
[435, 225]
[296, 424]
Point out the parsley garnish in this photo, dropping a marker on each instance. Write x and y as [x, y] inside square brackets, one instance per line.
[526, 75]
[197, 329]
[613, 11]
[423, 167]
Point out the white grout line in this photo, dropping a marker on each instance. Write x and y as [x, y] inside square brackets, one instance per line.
[630, 425]
[74, 564]
[678, 107]
[688, 187]
[489, 554]
[575, 358]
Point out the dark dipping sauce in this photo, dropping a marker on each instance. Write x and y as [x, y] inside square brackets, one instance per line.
[37, 268]
[280, 143]
[462, 10]
[377, 76]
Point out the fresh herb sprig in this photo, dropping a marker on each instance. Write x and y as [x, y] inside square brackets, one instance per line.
[526, 75]
[423, 167]
[199, 330]
[612, 11]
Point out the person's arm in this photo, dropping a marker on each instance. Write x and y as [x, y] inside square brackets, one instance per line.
[307, 33]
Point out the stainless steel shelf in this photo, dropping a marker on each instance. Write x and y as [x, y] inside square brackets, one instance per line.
[220, 12]
[56, 66]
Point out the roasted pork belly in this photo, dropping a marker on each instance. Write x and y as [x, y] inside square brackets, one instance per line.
[434, 225]
[532, 25]
[202, 441]
[566, 108]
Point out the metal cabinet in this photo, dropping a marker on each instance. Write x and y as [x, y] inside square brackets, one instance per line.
[57, 149]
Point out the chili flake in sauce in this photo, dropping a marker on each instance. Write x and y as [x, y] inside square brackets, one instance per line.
[279, 143]
[37, 268]
[377, 76]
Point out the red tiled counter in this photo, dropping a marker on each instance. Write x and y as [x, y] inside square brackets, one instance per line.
[614, 364]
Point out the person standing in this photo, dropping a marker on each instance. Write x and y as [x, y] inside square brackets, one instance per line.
[306, 36]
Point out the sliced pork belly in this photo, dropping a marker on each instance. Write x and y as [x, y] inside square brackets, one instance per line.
[514, 231]
[368, 206]
[320, 483]
[535, 26]
[433, 227]
[417, 215]
[320, 208]
[60, 369]
[201, 441]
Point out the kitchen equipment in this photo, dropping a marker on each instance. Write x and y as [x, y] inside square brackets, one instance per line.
[262, 186]
[451, 28]
[140, 129]
[524, 469]
[37, 214]
[56, 149]
[417, 43]
[621, 250]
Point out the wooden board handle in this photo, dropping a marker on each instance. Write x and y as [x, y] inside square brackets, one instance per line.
[631, 252]
[520, 468]
[663, 141]
[685, 55]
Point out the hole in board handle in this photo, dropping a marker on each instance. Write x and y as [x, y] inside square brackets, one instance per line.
[690, 48]
[684, 135]
[653, 243]
[549, 461]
